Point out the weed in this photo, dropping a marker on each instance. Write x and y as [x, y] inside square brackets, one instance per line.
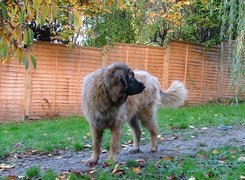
[50, 174]
[33, 172]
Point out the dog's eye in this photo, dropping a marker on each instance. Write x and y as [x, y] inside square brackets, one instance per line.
[130, 75]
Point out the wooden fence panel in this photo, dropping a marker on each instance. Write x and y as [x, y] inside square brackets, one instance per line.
[178, 61]
[90, 60]
[12, 92]
[210, 75]
[194, 73]
[155, 63]
[54, 88]
[43, 81]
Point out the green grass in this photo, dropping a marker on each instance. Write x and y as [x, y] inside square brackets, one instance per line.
[45, 135]
[200, 116]
[33, 172]
[73, 132]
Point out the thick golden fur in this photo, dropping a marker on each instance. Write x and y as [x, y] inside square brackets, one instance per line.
[105, 105]
[104, 94]
[142, 107]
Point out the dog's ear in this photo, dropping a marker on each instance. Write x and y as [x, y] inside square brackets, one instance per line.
[112, 68]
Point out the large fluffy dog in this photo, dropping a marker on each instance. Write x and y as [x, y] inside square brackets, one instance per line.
[107, 104]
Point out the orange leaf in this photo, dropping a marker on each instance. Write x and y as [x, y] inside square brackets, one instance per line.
[136, 170]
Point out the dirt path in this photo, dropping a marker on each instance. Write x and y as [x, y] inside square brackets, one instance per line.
[185, 143]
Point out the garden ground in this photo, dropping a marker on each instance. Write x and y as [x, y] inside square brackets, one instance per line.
[191, 148]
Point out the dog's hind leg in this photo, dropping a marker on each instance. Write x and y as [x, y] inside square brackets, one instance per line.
[148, 119]
[136, 131]
[96, 141]
[115, 141]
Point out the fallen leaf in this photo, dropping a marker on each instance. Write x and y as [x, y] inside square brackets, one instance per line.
[202, 156]
[11, 177]
[87, 146]
[192, 178]
[59, 157]
[141, 162]
[192, 127]
[34, 152]
[221, 162]
[241, 159]
[5, 167]
[172, 138]
[18, 156]
[91, 171]
[204, 128]
[215, 152]
[174, 149]
[166, 158]
[61, 177]
[136, 170]
[125, 145]
[116, 169]
[162, 139]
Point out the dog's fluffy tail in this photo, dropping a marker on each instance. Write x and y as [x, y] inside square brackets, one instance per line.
[174, 96]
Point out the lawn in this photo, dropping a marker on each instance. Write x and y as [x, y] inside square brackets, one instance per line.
[73, 133]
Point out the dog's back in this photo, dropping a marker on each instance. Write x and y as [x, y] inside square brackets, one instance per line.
[153, 96]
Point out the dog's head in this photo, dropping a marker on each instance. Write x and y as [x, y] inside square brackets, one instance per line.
[120, 81]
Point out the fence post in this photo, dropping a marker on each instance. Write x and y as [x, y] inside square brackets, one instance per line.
[166, 66]
[146, 59]
[127, 55]
[220, 65]
[203, 58]
[186, 61]
[56, 72]
[27, 94]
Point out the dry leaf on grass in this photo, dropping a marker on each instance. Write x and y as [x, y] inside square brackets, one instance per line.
[166, 158]
[87, 146]
[116, 169]
[215, 152]
[5, 167]
[241, 159]
[141, 162]
[136, 170]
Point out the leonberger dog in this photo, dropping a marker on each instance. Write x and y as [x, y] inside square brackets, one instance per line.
[115, 94]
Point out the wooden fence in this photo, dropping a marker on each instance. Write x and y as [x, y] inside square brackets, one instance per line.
[54, 88]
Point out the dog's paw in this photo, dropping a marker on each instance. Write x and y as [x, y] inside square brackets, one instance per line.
[91, 162]
[133, 150]
[154, 149]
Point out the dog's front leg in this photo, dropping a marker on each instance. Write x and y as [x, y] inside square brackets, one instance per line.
[115, 141]
[96, 141]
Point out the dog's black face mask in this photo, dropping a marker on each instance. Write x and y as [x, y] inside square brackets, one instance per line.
[122, 82]
[133, 85]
